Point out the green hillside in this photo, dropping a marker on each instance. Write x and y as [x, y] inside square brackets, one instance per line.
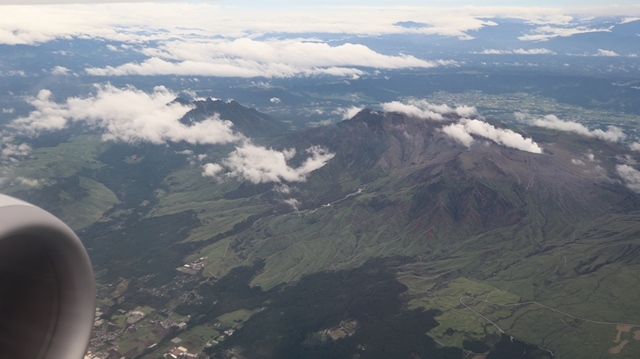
[484, 244]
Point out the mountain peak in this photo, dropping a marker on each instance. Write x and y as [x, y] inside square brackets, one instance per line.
[246, 120]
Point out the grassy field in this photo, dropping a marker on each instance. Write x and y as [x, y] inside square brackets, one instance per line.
[542, 299]
[54, 165]
[79, 214]
[64, 160]
[188, 190]
[220, 260]
[194, 339]
[457, 323]
[236, 318]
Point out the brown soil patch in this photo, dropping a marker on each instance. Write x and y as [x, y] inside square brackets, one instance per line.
[618, 348]
[622, 328]
[120, 288]
[636, 335]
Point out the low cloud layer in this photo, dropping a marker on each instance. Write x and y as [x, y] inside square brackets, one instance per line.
[60, 70]
[612, 133]
[465, 130]
[537, 51]
[426, 110]
[134, 22]
[608, 53]
[231, 40]
[125, 114]
[630, 176]
[547, 32]
[11, 152]
[260, 165]
[246, 57]
[131, 115]
[346, 113]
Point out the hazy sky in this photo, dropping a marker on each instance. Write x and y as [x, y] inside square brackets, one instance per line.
[438, 3]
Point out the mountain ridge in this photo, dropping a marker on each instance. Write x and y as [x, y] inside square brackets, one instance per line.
[248, 121]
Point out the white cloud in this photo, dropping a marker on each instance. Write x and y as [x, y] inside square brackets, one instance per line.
[630, 175]
[211, 170]
[260, 165]
[60, 70]
[423, 112]
[260, 84]
[29, 25]
[132, 115]
[465, 128]
[12, 153]
[294, 203]
[494, 52]
[501, 136]
[135, 23]
[609, 53]
[131, 22]
[126, 114]
[27, 182]
[629, 19]
[48, 116]
[283, 189]
[8, 110]
[8, 177]
[294, 52]
[612, 134]
[537, 51]
[19, 73]
[246, 57]
[221, 67]
[459, 133]
[275, 100]
[185, 152]
[10, 149]
[546, 32]
[326, 122]
[635, 146]
[426, 110]
[223, 38]
[577, 162]
[346, 113]
[466, 111]
[194, 95]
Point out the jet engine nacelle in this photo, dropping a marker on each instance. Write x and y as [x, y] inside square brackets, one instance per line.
[47, 289]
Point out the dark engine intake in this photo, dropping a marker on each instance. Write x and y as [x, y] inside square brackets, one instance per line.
[47, 289]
